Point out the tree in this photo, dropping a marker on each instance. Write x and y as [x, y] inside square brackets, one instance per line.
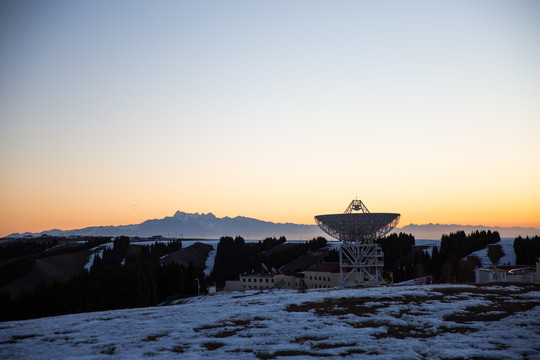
[527, 250]
[495, 253]
[447, 272]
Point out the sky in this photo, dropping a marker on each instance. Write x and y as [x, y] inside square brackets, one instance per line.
[114, 112]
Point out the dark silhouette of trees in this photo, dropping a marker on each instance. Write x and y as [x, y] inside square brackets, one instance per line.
[449, 263]
[395, 247]
[397, 255]
[332, 256]
[458, 245]
[13, 270]
[455, 247]
[495, 253]
[270, 242]
[233, 257]
[24, 248]
[527, 250]
[110, 284]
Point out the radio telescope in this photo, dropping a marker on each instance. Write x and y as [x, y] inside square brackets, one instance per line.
[360, 256]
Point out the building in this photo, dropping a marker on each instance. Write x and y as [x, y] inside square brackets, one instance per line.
[322, 275]
[233, 285]
[525, 274]
[490, 275]
[289, 282]
[319, 276]
[257, 281]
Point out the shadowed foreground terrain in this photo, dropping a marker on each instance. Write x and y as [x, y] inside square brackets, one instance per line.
[406, 322]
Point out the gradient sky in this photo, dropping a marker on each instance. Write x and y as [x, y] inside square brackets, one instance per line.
[114, 112]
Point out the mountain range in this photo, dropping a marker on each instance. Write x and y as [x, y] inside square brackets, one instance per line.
[208, 226]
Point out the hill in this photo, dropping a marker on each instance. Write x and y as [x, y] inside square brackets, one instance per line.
[405, 322]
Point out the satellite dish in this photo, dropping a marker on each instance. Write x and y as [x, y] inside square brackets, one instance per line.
[361, 227]
[264, 267]
[361, 257]
[274, 271]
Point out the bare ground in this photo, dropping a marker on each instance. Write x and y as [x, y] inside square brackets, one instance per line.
[196, 254]
[58, 267]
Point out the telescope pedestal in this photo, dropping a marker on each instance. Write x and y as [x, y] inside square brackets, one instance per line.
[360, 264]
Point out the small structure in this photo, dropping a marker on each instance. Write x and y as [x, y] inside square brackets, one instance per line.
[490, 275]
[524, 274]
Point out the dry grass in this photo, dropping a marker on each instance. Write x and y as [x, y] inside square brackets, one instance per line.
[230, 327]
[499, 309]
[352, 352]
[226, 333]
[16, 338]
[109, 350]
[154, 337]
[213, 345]
[323, 345]
[338, 307]
[303, 339]
[179, 349]
[289, 353]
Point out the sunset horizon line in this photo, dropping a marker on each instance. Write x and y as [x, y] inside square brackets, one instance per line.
[202, 213]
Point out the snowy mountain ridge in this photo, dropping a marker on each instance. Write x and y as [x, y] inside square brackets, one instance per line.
[207, 225]
[194, 225]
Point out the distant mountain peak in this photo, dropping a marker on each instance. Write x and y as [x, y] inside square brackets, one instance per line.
[184, 215]
[179, 214]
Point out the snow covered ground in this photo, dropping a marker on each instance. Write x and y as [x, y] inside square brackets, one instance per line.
[407, 322]
[508, 258]
[97, 251]
[507, 245]
[429, 244]
[209, 265]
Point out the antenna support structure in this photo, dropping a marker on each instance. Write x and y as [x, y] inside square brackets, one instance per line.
[361, 259]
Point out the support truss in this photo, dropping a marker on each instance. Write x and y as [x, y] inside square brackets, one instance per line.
[360, 264]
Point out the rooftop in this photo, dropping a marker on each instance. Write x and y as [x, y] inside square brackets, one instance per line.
[332, 267]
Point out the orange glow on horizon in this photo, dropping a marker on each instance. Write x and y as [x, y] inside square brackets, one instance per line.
[35, 221]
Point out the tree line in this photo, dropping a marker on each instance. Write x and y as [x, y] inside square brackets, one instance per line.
[527, 250]
[20, 256]
[110, 284]
[449, 263]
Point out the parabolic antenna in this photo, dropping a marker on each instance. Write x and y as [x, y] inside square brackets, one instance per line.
[360, 256]
[357, 227]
